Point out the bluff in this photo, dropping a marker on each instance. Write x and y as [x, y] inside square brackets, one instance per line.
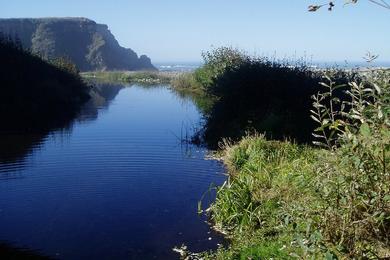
[91, 46]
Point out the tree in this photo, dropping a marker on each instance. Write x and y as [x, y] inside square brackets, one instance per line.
[331, 4]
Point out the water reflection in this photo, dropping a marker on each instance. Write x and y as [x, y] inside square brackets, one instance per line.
[10, 252]
[116, 183]
[15, 147]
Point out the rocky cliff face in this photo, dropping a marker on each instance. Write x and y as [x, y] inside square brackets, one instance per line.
[89, 45]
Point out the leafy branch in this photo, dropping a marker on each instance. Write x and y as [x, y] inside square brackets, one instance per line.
[331, 4]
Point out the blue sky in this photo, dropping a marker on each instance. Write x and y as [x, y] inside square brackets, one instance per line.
[179, 30]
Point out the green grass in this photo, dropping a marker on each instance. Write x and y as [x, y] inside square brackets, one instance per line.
[259, 170]
[270, 206]
[258, 205]
[141, 77]
[186, 82]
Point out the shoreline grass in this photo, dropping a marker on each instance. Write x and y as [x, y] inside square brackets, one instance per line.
[256, 207]
[141, 77]
[284, 200]
[274, 206]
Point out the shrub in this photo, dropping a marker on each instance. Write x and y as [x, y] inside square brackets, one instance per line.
[256, 95]
[354, 183]
[271, 97]
[216, 63]
[66, 65]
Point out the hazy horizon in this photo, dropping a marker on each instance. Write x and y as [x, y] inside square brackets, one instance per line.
[179, 31]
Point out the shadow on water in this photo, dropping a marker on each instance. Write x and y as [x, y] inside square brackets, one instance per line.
[10, 252]
[16, 146]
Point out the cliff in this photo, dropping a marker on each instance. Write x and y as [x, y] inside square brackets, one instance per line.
[89, 45]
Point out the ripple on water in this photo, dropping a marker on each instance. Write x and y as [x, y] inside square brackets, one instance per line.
[120, 186]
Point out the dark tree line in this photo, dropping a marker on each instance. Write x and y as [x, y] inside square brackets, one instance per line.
[34, 93]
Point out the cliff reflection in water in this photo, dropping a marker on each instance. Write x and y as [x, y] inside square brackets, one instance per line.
[16, 146]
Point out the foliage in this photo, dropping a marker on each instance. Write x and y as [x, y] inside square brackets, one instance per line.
[284, 200]
[262, 205]
[186, 82]
[34, 93]
[355, 184]
[331, 4]
[258, 94]
[216, 63]
[259, 170]
[66, 65]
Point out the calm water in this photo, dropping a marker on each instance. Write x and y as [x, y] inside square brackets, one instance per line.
[117, 184]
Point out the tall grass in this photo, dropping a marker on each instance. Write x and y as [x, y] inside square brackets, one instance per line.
[186, 82]
[260, 205]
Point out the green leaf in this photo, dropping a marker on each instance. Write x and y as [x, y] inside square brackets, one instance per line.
[377, 88]
[315, 119]
[365, 130]
[329, 256]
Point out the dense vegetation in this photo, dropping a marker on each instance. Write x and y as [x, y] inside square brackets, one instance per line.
[256, 94]
[36, 94]
[286, 200]
[89, 45]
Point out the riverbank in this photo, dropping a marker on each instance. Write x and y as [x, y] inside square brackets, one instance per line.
[287, 201]
[140, 77]
[327, 197]
[262, 207]
[182, 82]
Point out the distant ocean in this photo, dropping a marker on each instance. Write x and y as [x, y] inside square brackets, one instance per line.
[351, 65]
[178, 66]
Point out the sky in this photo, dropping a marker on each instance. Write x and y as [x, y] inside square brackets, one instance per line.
[179, 30]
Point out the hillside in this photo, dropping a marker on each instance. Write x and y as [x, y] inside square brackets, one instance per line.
[36, 94]
[89, 45]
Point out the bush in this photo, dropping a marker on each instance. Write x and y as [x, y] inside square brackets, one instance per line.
[216, 63]
[256, 94]
[354, 183]
[66, 65]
